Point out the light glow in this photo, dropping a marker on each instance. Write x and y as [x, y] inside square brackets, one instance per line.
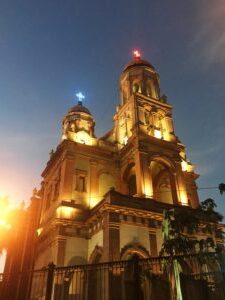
[64, 137]
[80, 97]
[183, 198]
[83, 137]
[148, 190]
[2, 260]
[39, 231]
[93, 202]
[5, 209]
[65, 212]
[136, 54]
[186, 167]
[125, 140]
[157, 134]
[5, 225]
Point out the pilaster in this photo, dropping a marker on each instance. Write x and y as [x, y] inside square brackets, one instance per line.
[93, 181]
[143, 175]
[111, 237]
[181, 186]
[61, 248]
[67, 178]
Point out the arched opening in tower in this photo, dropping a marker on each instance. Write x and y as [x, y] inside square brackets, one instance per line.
[163, 182]
[130, 179]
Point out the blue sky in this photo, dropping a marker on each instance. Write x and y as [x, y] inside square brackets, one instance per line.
[49, 50]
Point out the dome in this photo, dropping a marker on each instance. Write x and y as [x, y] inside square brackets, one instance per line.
[79, 108]
[78, 125]
[138, 63]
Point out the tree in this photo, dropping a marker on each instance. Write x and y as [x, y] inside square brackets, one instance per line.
[179, 228]
[180, 225]
[222, 188]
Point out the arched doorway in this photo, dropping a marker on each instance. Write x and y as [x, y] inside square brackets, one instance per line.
[72, 281]
[131, 253]
[96, 279]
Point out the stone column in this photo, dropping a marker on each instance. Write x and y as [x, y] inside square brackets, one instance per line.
[174, 187]
[143, 175]
[139, 174]
[111, 246]
[147, 176]
[111, 237]
[181, 186]
[169, 127]
[94, 194]
[61, 251]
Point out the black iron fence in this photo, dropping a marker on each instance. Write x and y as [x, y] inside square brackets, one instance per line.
[192, 277]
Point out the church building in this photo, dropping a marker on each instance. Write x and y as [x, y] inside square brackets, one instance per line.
[102, 199]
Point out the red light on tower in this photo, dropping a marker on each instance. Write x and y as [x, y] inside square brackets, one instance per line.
[136, 54]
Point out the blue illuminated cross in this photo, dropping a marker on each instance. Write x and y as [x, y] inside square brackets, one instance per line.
[80, 97]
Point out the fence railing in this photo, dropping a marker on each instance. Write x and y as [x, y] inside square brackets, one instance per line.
[190, 277]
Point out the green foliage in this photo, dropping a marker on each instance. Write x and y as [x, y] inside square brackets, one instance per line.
[181, 224]
[221, 188]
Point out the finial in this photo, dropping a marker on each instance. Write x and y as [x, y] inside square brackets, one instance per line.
[51, 153]
[80, 97]
[136, 54]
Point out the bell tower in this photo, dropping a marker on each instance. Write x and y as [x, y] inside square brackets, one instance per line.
[144, 122]
[142, 105]
[139, 76]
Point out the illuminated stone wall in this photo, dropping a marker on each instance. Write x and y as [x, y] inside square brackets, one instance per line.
[141, 158]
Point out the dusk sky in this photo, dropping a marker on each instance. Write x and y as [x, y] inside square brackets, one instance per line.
[49, 50]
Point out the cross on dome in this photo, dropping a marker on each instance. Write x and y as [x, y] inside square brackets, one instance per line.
[136, 54]
[80, 97]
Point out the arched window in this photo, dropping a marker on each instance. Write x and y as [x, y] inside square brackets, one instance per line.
[137, 86]
[149, 88]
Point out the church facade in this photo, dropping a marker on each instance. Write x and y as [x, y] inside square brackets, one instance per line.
[102, 199]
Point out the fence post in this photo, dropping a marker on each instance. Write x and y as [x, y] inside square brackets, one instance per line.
[50, 277]
[137, 279]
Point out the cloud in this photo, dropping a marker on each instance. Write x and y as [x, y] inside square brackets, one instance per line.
[208, 42]
[207, 155]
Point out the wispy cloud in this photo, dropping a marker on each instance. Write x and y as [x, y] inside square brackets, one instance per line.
[208, 43]
[207, 155]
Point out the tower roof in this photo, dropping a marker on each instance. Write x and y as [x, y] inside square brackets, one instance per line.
[79, 108]
[138, 63]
